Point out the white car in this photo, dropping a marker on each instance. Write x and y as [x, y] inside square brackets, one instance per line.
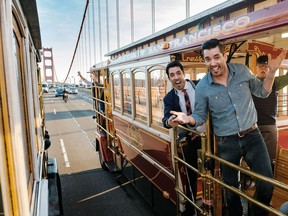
[73, 90]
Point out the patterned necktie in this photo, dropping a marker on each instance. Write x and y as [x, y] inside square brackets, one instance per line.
[187, 102]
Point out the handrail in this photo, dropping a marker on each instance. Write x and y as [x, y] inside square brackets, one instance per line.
[208, 179]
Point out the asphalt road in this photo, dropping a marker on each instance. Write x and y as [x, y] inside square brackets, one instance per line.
[86, 188]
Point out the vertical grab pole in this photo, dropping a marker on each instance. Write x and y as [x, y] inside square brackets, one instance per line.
[175, 134]
[217, 188]
[205, 169]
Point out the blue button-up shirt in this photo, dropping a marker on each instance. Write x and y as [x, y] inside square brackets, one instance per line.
[231, 107]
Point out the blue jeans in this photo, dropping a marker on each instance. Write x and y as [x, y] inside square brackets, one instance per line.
[253, 149]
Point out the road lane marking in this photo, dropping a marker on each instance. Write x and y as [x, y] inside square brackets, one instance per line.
[82, 131]
[75, 120]
[64, 153]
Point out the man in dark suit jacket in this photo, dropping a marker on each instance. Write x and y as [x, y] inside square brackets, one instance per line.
[175, 100]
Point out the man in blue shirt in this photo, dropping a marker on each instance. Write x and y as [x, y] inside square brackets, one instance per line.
[226, 91]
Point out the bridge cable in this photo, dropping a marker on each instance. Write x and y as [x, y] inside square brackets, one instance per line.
[81, 28]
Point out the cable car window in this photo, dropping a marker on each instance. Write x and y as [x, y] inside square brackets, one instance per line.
[116, 90]
[127, 94]
[140, 95]
[282, 107]
[158, 91]
[21, 101]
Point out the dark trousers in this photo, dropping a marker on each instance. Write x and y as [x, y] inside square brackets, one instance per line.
[253, 149]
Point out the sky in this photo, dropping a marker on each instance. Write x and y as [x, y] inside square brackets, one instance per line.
[60, 23]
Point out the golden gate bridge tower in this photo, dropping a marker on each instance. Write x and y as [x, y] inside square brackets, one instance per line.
[48, 65]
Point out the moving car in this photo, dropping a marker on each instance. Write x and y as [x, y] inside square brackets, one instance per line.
[45, 87]
[73, 90]
[59, 92]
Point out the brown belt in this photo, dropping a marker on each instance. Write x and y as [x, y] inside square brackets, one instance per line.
[243, 133]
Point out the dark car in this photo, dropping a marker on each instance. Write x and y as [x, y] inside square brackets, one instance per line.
[59, 92]
[45, 87]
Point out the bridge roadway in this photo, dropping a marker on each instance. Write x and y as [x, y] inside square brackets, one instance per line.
[86, 188]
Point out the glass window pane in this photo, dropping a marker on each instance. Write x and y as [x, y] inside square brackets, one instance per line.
[140, 95]
[116, 95]
[158, 91]
[18, 87]
[126, 79]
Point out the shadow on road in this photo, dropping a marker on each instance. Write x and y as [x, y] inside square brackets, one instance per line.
[51, 116]
[98, 192]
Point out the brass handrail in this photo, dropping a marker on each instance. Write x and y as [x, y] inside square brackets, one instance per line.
[208, 180]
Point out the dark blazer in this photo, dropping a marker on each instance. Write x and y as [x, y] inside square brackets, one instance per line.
[171, 102]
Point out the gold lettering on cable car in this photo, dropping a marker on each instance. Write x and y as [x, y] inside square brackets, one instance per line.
[135, 136]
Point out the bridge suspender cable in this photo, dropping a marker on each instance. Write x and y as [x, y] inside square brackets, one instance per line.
[81, 28]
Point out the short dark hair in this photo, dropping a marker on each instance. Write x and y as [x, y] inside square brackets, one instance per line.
[210, 44]
[174, 64]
